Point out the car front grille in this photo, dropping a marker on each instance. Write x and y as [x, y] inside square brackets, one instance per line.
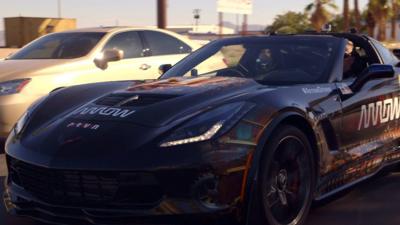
[86, 188]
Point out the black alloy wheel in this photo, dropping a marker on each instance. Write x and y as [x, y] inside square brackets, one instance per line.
[287, 177]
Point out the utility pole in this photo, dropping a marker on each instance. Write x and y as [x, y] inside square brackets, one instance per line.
[196, 16]
[162, 14]
[244, 25]
[220, 24]
[237, 24]
[59, 8]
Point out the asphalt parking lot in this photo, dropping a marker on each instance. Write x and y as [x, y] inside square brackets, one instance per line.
[376, 202]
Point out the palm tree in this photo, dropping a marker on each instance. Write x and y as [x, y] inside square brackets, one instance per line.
[357, 15]
[371, 23]
[346, 19]
[379, 10]
[395, 14]
[320, 12]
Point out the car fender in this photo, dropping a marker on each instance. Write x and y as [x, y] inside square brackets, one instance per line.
[251, 187]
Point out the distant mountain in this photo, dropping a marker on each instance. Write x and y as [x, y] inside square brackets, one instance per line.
[250, 27]
[256, 27]
[2, 39]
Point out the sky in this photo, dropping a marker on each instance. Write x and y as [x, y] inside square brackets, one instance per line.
[91, 13]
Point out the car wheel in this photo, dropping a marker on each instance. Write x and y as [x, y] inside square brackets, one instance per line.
[287, 177]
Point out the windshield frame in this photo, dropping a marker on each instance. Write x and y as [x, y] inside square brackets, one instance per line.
[198, 56]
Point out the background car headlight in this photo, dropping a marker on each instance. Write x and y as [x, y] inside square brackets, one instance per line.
[13, 86]
[208, 124]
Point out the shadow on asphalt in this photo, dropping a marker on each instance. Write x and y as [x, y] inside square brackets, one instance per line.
[374, 202]
[2, 150]
[6, 219]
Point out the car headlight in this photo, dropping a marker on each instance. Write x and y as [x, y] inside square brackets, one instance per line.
[21, 123]
[13, 86]
[209, 124]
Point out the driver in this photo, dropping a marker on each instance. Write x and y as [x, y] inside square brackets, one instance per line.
[265, 62]
[352, 63]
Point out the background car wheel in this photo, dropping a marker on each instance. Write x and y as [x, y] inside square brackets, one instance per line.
[287, 177]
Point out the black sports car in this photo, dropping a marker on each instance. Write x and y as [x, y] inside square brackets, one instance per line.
[251, 128]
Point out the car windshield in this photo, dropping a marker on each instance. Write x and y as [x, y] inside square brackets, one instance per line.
[268, 60]
[60, 46]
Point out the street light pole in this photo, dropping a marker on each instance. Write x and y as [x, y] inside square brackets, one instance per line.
[162, 14]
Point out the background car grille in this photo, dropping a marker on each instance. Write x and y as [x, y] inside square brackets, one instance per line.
[86, 188]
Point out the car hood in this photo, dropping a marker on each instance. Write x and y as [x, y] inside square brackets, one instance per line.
[87, 135]
[16, 69]
[157, 104]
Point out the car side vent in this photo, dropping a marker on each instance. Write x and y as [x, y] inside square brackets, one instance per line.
[132, 100]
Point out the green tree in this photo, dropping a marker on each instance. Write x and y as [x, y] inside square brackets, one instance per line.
[379, 10]
[370, 22]
[338, 23]
[289, 23]
[394, 17]
[321, 12]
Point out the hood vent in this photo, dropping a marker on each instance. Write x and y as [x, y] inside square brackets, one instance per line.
[132, 100]
[110, 100]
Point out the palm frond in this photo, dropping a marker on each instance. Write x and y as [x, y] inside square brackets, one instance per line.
[309, 7]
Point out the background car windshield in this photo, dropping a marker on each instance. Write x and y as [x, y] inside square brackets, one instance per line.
[60, 46]
[270, 61]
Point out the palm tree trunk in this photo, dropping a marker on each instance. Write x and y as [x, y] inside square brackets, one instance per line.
[371, 23]
[346, 20]
[357, 15]
[395, 8]
[382, 29]
[316, 17]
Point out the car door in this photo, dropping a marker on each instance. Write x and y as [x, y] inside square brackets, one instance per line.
[162, 48]
[389, 58]
[130, 67]
[369, 124]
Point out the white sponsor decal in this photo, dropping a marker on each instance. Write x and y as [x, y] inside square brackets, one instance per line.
[345, 89]
[379, 112]
[317, 90]
[84, 125]
[104, 111]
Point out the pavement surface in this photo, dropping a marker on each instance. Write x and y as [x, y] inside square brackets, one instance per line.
[375, 202]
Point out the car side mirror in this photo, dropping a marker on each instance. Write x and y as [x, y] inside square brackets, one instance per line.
[108, 55]
[164, 68]
[373, 72]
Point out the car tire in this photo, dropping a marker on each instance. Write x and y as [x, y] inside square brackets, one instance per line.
[287, 177]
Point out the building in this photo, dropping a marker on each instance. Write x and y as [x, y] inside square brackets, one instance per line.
[22, 30]
[201, 29]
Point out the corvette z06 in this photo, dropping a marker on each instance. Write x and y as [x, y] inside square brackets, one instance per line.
[250, 128]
